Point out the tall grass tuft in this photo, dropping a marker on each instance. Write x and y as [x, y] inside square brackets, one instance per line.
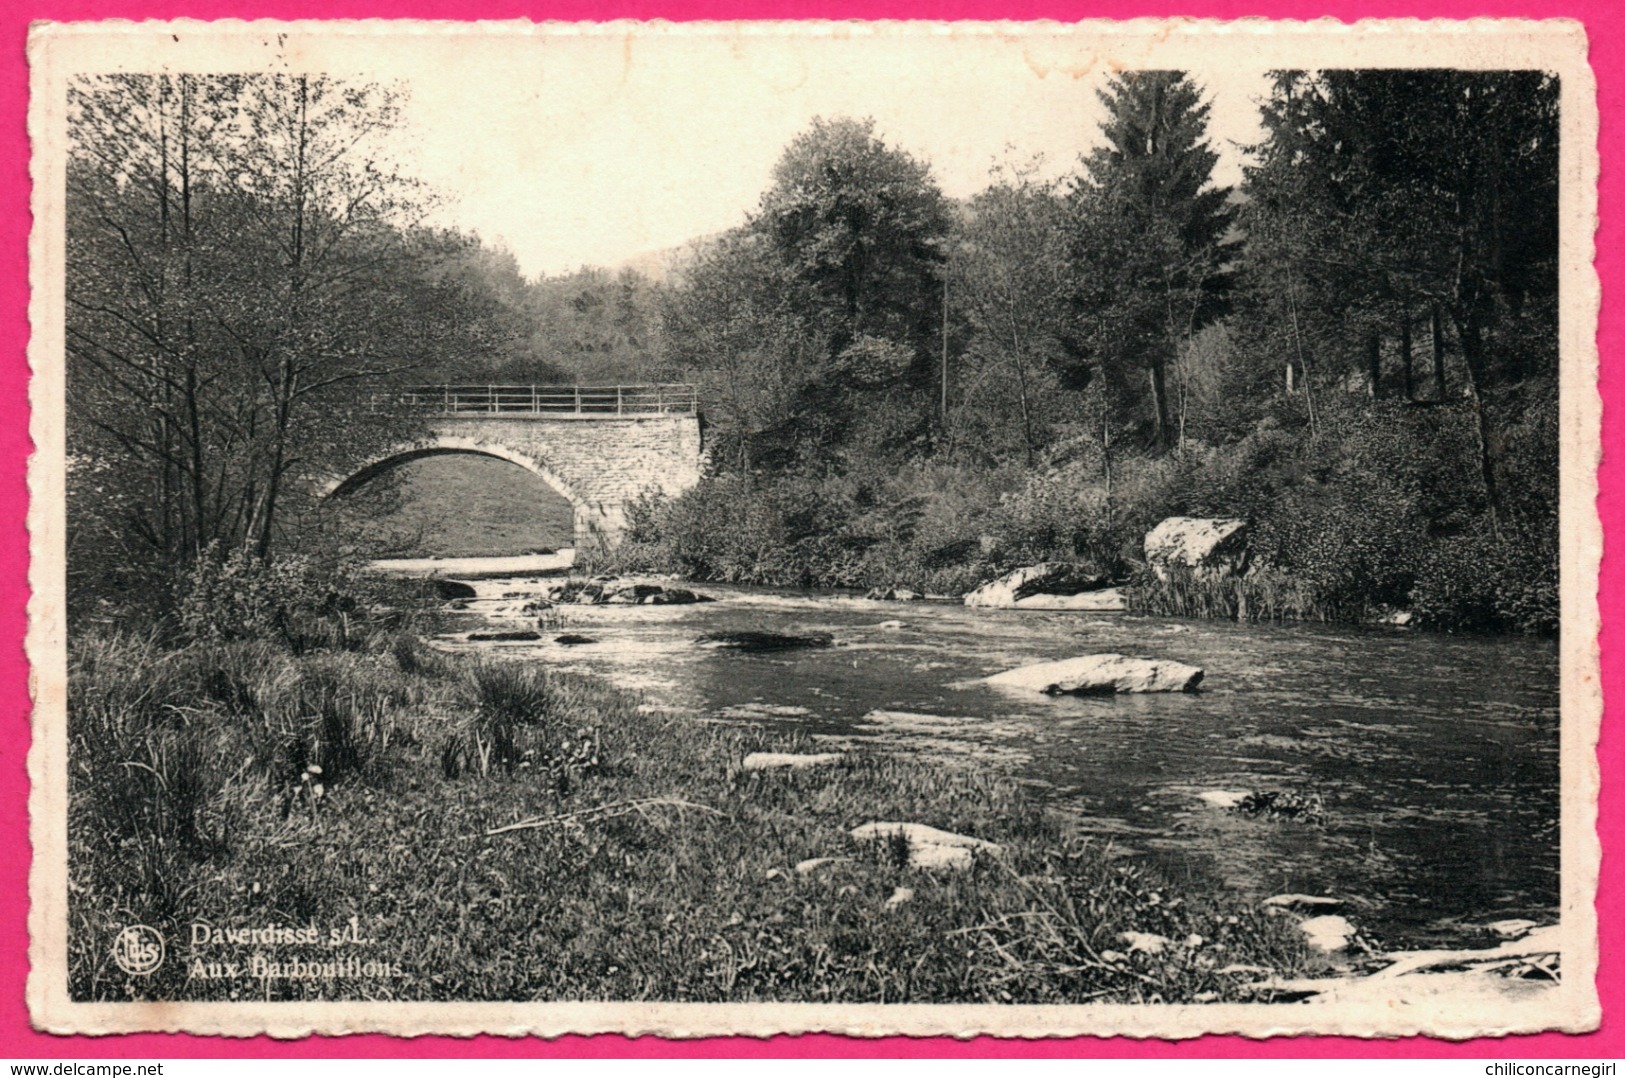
[1260, 595]
[524, 718]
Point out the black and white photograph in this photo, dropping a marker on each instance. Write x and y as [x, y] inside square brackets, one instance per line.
[766, 527]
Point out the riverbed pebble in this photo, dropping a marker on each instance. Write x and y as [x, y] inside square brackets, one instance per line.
[1512, 928]
[1144, 942]
[813, 864]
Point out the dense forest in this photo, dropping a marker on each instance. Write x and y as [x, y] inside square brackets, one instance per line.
[1355, 349]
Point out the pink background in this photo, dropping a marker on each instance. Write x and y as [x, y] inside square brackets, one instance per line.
[1605, 25]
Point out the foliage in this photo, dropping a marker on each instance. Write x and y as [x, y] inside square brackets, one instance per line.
[1009, 277]
[1382, 207]
[245, 267]
[856, 228]
[1479, 581]
[298, 600]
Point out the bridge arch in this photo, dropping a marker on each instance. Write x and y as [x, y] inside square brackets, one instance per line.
[600, 448]
[585, 515]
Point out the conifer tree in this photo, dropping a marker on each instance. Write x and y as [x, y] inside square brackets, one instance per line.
[1151, 241]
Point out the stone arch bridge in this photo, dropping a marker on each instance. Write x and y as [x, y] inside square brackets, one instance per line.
[600, 447]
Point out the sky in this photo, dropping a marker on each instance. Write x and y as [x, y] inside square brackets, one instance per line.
[593, 149]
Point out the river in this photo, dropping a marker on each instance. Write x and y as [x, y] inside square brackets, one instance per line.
[1436, 756]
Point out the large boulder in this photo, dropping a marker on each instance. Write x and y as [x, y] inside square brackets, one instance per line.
[1205, 546]
[1101, 675]
[1046, 578]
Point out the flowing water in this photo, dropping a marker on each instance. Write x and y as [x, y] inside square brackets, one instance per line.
[1436, 757]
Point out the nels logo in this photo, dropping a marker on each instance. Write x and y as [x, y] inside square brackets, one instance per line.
[138, 950]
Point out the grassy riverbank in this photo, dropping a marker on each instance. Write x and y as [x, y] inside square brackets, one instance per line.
[239, 786]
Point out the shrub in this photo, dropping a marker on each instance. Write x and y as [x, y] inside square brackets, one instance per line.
[1481, 582]
[296, 600]
[1263, 594]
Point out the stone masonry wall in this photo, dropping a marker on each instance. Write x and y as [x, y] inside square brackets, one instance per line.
[599, 464]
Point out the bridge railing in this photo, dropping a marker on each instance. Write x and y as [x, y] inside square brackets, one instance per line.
[551, 400]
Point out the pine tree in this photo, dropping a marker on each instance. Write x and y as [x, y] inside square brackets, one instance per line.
[1151, 243]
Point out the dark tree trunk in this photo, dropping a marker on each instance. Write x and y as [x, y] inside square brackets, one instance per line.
[1472, 353]
[1159, 398]
[1373, 365]
[1438, 354]
[1405, 358]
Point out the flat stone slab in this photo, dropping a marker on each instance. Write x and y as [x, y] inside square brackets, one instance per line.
[1327, 933]
[794, 761]
[1101, 675]
[928, 847]
[1104, 600]
[1301, 902]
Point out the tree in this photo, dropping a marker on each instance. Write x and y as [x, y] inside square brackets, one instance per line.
[857, 230]
[1395, 200]
[730, 329]
[1151, 245]
[242, 266]
[1008, 278]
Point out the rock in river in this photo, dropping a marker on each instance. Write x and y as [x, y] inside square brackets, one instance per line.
[1104, 600]
[1046, 578]
[760, 641]
[1206, 546]
[1101, 675]
[630, 594]
[674, 597]
[520, 635]
[1300, 902]
[453, 589]
[894, 595]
